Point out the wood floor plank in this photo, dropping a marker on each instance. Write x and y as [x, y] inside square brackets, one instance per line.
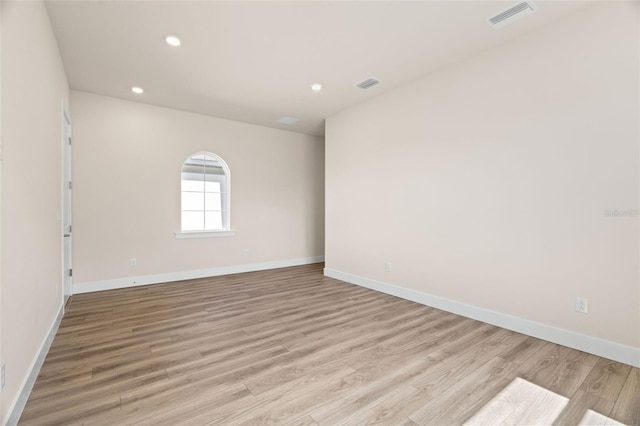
[393, 409]
[523, 350]
[304, 421]
[546, 366]
[276, 405]
[74, 412]
[452, 369]
[292, 347]
[345, 409]
[627, 406]
[572, 372]
[91, 390]
[579, 405]
[606, 380]
[520, 403]
[294, 407]
[453, 402]
[192, 405]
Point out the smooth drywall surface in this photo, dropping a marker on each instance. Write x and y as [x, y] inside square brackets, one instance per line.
[127, 162]
[508, 182]
[34, 88]
[1, 353]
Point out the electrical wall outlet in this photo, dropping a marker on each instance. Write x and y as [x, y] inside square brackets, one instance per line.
[387, 267]
[133, 262]
[2, 377]
[582, 305]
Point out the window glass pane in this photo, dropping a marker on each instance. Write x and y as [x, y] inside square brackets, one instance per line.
[192, 185]
[192, 221]
[213, 201]
[213, 220]
[212, 186]
[192, 201]
[204, 187]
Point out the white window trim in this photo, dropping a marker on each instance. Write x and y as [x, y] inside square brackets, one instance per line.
[205, 234]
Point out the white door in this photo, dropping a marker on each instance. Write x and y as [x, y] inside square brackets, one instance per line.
[67, 191]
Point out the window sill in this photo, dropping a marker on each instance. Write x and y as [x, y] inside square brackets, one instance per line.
[205, 234]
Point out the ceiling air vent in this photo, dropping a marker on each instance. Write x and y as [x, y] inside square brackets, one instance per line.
[287, 120]
[513, 13]
[365, 84]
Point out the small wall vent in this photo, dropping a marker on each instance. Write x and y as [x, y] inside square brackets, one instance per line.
[512, 14]
[365, 84]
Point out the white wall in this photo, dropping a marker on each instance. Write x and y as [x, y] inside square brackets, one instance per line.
[1, 353]
[33, 90]
[127, 162]
[486, 183]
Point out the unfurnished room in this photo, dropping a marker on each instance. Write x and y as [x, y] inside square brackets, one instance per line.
[319, 212]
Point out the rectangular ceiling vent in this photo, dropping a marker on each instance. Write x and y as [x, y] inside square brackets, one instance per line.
[365, 84]
[512, 14]
[287, 120]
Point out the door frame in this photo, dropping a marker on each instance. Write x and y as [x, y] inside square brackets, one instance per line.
[67, 208]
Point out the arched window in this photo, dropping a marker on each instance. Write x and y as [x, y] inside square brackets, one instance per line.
[205, 193]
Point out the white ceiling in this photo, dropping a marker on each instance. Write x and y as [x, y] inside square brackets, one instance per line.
[254, 61]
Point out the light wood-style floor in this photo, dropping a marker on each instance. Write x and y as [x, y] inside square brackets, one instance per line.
[293, 347]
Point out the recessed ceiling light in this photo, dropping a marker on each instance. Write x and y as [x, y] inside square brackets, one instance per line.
[316, 87]
[137, 90]
[172, 40]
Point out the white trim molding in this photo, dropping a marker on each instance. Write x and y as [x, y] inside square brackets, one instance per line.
[18, 404]
[582, 342]
[204, 234]
[91, 286]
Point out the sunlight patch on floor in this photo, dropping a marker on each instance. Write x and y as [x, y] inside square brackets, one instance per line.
[521, 402]
[591, 418]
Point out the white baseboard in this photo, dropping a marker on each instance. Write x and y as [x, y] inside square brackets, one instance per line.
[593, 345]
[18, 404]
[91, 286]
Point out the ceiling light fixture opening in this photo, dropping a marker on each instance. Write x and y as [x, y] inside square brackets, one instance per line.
[316, 87]
[137, 90]
[172, 40]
